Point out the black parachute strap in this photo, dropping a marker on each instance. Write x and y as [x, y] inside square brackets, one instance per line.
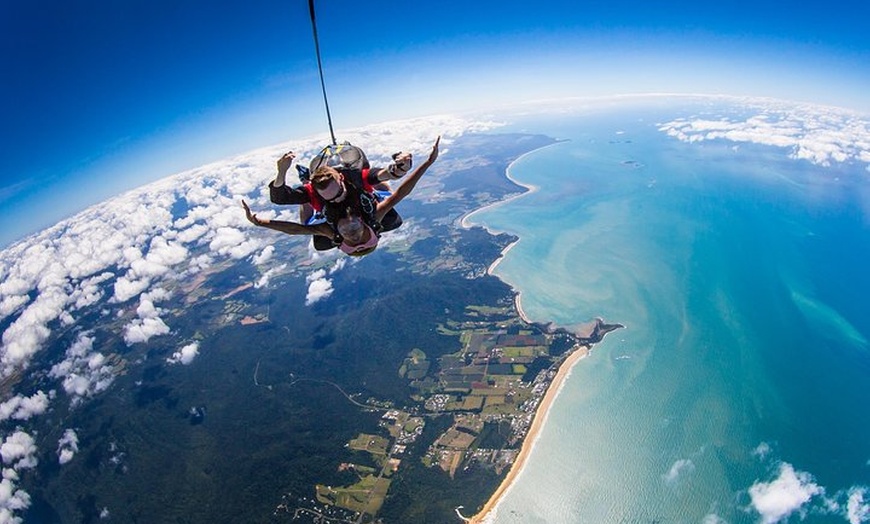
[320, 68]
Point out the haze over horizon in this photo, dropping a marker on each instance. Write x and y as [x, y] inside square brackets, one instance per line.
[107, 97]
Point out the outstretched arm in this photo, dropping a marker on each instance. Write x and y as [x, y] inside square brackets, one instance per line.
[284, 164]
[281, 193]
[290, 228]
[408, 184]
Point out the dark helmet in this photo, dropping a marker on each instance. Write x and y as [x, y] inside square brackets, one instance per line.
[343, 155]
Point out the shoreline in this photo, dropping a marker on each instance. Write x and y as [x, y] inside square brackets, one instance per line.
[564, 370]
[540, 418]
[529, 189]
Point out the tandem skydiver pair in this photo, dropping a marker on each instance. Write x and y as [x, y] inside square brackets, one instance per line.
[344, 202]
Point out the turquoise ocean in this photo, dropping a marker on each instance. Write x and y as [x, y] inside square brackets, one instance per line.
[741, 276]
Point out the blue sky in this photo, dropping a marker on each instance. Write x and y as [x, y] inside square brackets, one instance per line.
[99, 96]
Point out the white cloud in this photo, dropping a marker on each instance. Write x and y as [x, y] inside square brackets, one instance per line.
[12, 499]
[263, 256]
[161, 256]
[83, 372]
[338, 266]
[200, 263]
[148, 322]
[265, 277]
[165, 254]
[142, 329]
[319, 287]
[819, 135]
[678, 470]
[14, 286]
[851, 504]
[789, 492]
[858, 507]
[232, 242]
[58, 264]
[127, 288]
[185, 355]
[191, 234]
[23, 408]
[762, 451]
[89, 293]
[25, 336]
[13, 294]
[67, 446]
[19, 451]
[228, 214]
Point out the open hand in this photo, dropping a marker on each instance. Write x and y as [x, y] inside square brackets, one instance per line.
[434, 154]
[402, 161]
[252, 217]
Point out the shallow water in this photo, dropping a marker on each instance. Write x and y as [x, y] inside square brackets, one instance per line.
[739, 275]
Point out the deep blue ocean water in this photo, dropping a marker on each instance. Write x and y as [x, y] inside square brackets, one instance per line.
[741, 277]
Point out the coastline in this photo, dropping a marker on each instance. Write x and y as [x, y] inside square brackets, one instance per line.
[542, 412]
[529, 189]
[538, 422]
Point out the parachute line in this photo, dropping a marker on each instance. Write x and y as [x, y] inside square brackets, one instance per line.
[320, 69]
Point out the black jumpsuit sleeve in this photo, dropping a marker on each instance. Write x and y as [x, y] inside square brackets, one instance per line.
[285, 195]
[372, 177]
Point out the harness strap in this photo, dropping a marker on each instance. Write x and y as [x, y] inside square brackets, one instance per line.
[313, 197]
[367, 187]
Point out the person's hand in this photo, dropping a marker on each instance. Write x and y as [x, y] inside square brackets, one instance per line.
[286, 161]
[252, 217]
[403, 161]
[400, 166]
[434, 154]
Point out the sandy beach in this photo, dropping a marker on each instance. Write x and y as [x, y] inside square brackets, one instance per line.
[555, 386]
[537, 423]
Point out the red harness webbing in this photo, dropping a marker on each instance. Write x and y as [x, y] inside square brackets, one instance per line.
[367, 187]
[313, 197]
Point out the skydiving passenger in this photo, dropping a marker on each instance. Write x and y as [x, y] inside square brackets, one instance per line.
[353, 165]
[349, 230]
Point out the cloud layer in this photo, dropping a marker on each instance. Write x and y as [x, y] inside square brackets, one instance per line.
[125, 259]
[823, 136]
